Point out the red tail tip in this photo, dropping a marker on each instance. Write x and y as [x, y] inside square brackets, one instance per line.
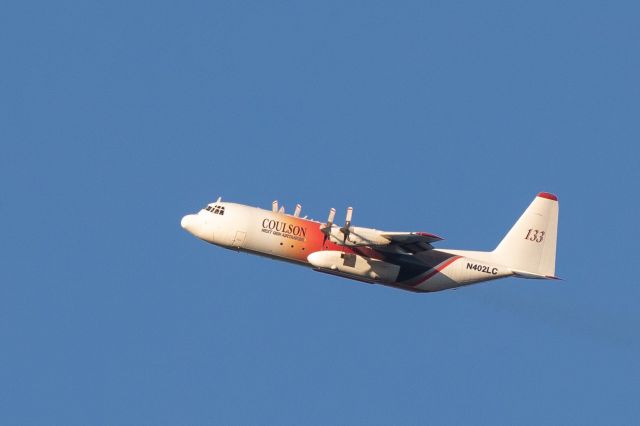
[548, 196]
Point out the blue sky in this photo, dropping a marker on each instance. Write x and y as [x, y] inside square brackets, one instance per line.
[118, 118]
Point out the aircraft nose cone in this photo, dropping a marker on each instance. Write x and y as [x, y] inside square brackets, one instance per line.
[186, 221]
[197, 226]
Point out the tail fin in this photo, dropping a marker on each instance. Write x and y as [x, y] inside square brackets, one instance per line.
[529, 248]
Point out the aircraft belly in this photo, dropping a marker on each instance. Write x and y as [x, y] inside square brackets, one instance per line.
[443, 277]
[461, 271]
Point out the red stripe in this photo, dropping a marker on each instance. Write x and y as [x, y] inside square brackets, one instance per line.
[437, 269]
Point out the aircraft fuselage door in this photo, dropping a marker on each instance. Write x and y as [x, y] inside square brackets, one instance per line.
[238, 241]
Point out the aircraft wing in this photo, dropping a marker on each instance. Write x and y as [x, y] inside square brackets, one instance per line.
[355, 236]
[411, 242]
[410, 237]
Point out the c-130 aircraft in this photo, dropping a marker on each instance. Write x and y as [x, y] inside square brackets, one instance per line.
[403, 260]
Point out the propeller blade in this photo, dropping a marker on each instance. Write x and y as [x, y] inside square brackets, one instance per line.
[326, 227]
[332, 215]
[347, 223]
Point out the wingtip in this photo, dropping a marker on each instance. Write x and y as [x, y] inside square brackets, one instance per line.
[427, 234]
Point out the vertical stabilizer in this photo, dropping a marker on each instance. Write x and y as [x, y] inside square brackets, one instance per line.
[530, 246]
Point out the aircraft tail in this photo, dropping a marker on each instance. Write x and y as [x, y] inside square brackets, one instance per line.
[529, 248]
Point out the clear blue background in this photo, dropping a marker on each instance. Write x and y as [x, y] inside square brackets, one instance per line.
[117, 118]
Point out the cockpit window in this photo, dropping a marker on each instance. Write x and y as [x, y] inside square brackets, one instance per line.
[215, 209]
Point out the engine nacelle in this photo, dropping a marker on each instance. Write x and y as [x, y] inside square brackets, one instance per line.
[355, 265]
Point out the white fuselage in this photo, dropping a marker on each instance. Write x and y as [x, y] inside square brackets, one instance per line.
[300, 240]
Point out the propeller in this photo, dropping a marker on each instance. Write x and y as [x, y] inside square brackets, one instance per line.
[346, 229]
[326, 227]
[347, 225]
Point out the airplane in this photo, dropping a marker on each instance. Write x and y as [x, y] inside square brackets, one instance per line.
[403, 260]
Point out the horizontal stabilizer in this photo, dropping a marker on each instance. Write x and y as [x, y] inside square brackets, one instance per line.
[533, 276]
